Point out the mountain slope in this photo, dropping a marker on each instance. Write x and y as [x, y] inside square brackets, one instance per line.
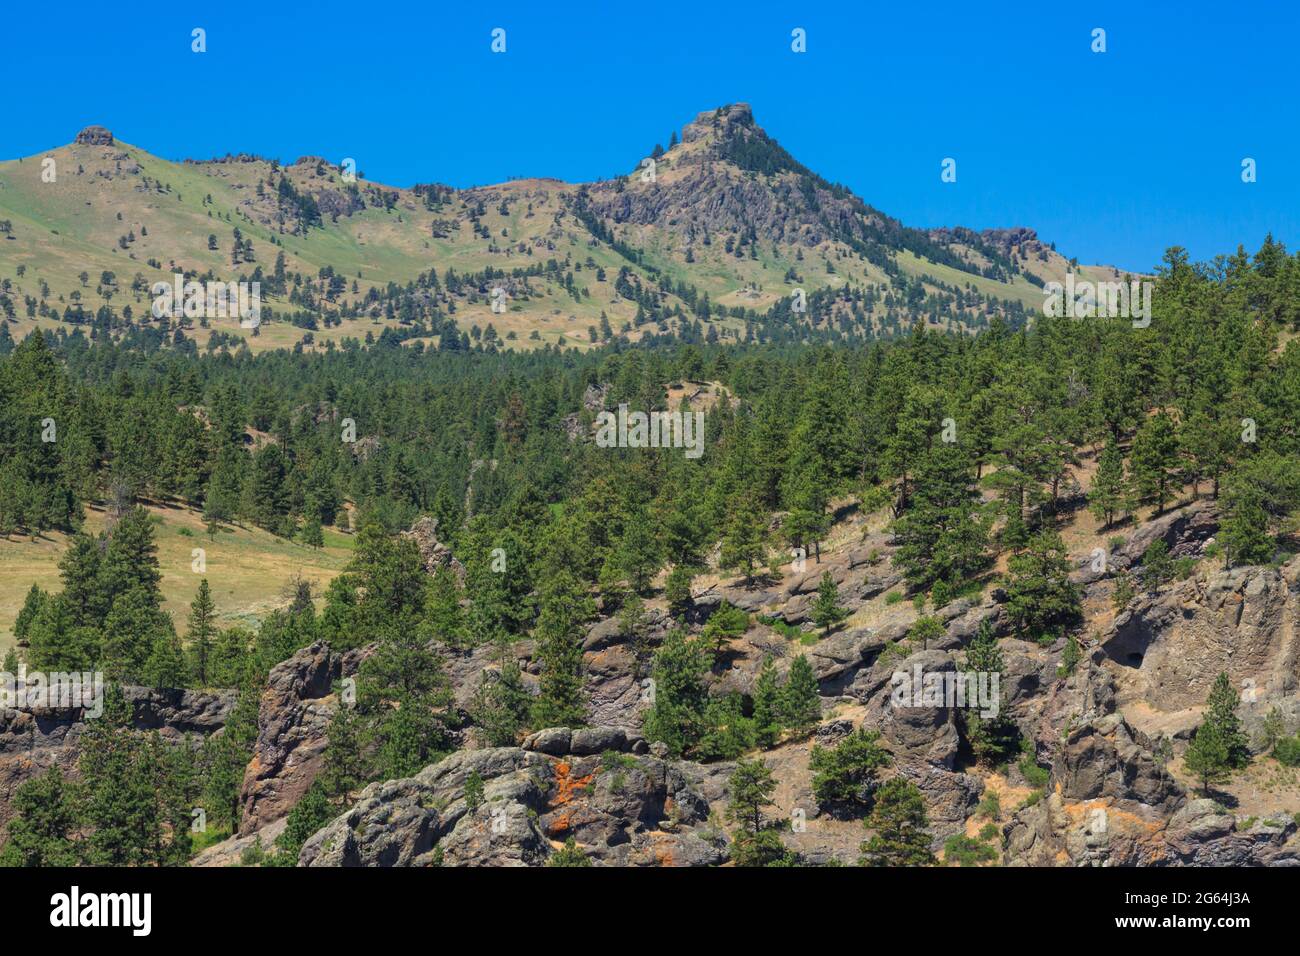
[720, 236]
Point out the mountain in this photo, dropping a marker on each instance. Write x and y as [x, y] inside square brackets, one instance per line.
[710, 243]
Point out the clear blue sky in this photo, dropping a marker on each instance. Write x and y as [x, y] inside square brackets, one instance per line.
[1113, 156]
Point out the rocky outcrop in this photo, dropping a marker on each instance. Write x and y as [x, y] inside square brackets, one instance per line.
[923, 736]
[1186, 531]
[433, 553]
[620, 808]
[1111, 802]
[1239, 621]
[1105, 832]
[94, 136]
[292, 730]
[710, 184]
[1108, 758]
[1201, 834]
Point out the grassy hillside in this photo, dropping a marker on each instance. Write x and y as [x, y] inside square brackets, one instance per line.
[729, 216]
[247, 568]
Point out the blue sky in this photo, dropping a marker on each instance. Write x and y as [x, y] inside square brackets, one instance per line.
[1113, 156]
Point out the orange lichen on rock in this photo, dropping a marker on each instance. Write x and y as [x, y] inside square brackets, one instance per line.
[568, 786]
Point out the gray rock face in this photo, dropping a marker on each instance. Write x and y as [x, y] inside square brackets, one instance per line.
[1107, 758]
[916, 731]
[629, 810]
[1185, 530]
[293, 723]
[1110, 803]
[708, 190]
[1253, 713]
[1058, 832]
[1181, 638]
[433, 553]
[94, 136]
[1201, 834]
[837, 659]
[923, 739]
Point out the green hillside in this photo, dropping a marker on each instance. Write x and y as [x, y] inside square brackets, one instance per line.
[715, 245]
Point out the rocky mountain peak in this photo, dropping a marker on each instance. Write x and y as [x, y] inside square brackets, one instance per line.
[94, 136]
[724, 123]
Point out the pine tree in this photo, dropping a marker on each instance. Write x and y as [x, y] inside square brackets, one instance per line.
[1108, 494]
[569, 855]
[925, 630]
[750, 787]
[826, 609]
[1040, 596]
[844, 776]
[308, 815]
[409, 737]
[166, 664]
[473, 791]
[31, 609]
[677, 589]
[807, 494]
[1207, 449]
[1244, 529]
[1154, 458]
[345, 765]
[1273, 728]
[134, 632]
[638, 551]
[44, 823]
[767, 704]
[563, 700]
[1070, 658]
[501, 704]
[1207, 757]
[745, 541]
[995, 737]
[676, 714]
[402, 687]
[724, 624]
[940, 535]
[899, 825]
[728, 733]
[231, 659]
[311, 534]
[224, 757]
[120, 804]
[800, 702]
[84, 592]
[202, 630]
[445, 617]
[1221, 711]
[130, 561]
[176, 785]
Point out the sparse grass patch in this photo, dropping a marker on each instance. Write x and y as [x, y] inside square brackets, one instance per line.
[967, 851]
